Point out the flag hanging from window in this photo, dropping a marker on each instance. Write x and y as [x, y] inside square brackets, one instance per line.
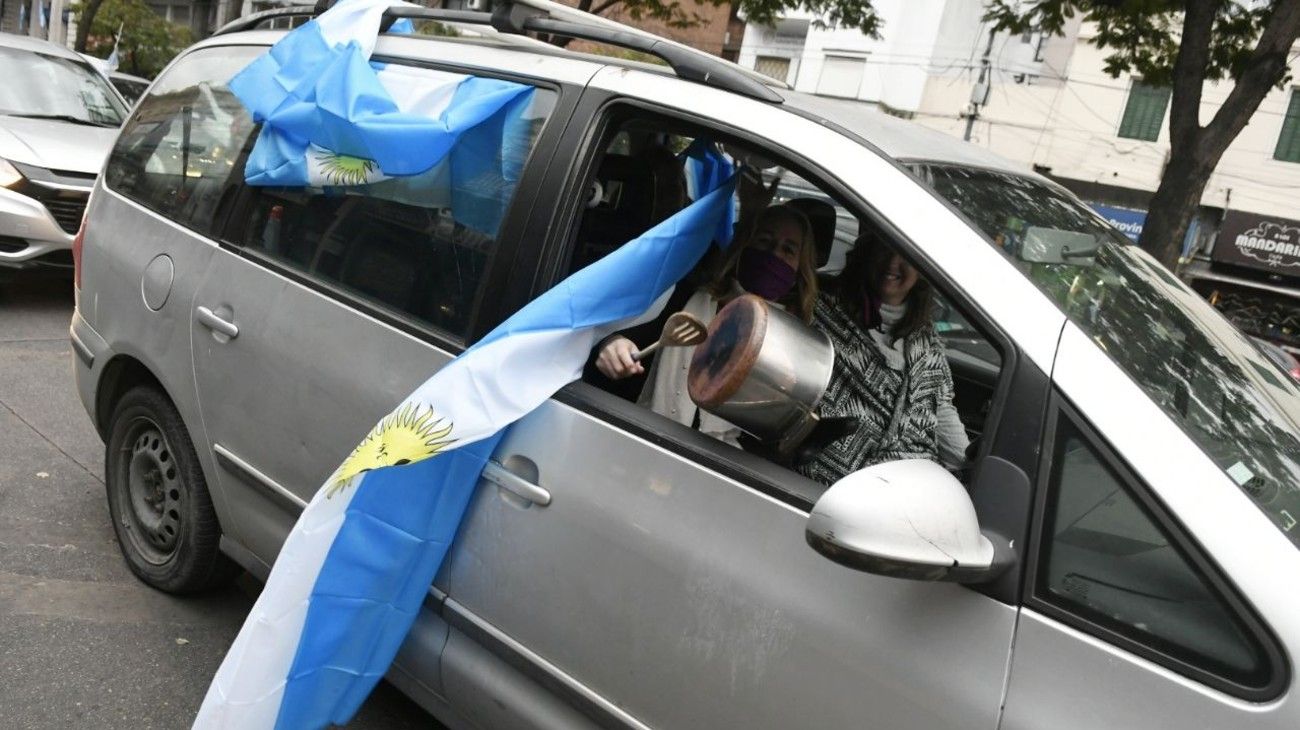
[354, 571]
[357, 566]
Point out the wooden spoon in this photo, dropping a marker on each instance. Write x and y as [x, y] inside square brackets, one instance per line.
[681, 330]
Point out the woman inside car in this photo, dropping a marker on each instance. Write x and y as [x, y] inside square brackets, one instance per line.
[776, 262]
[890, 373]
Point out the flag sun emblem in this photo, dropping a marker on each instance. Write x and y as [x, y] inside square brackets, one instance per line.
[337, 169]
[409, 434]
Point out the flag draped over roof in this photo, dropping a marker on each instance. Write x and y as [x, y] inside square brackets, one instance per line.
[331, 117]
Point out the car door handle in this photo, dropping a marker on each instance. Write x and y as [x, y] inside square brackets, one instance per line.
[515, 484]
[214, 322]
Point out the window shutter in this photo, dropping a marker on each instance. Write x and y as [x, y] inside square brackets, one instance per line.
[1288, 142]
[1145, 112]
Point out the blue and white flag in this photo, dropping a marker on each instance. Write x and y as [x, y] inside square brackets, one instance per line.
[111, 63]
[357, 566]
[331, 117]
[707, 167]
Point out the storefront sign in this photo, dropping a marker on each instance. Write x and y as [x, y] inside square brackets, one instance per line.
[1127, 220]
[1271, 244]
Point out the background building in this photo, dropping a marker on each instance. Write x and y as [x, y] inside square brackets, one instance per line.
[1050, 105]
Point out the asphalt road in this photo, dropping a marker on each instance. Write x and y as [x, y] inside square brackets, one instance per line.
[83, 644]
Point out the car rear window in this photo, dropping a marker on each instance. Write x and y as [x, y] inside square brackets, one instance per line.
[177, 155]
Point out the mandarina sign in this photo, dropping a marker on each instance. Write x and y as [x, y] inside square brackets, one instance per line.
[1271, 244]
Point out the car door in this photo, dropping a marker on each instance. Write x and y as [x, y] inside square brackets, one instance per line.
[651, 577]
[325, 307]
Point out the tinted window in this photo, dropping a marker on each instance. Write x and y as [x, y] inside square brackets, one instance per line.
[130, 88]
[1204, 373]
[41, 86]
[420, 244]
[1107, 560]
[178, 153]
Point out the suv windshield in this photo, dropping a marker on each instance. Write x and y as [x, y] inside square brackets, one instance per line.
[49, 87]
[1197, 367]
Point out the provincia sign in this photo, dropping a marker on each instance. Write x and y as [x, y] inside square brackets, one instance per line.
[1260, 242]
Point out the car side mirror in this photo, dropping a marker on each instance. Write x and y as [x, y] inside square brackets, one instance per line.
[905, 519]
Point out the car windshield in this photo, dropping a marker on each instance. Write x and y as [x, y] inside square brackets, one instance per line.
[49, 87]
[1205, 374]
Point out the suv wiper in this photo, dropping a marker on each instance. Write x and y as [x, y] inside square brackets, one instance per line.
[61, 118]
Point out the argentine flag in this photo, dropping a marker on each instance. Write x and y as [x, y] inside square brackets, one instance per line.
[330, 116]
[357, 566]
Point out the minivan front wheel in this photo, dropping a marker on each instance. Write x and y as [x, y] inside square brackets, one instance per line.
[158, 499]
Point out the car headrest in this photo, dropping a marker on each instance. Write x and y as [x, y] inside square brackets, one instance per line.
[821, 215]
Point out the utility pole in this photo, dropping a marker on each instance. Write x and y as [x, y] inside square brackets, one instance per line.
[979, 94]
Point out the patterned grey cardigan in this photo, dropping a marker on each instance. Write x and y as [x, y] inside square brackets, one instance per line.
[863, 385]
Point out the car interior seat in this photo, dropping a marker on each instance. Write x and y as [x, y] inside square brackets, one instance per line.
[630, 194]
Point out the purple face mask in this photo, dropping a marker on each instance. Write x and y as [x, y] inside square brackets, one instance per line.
[765, 274]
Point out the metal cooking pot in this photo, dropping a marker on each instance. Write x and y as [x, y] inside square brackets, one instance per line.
[763, 370]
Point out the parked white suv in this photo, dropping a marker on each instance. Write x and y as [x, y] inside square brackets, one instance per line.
[1137, 468]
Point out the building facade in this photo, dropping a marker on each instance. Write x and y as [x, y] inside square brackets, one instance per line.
[1050, 104]
[718, 29]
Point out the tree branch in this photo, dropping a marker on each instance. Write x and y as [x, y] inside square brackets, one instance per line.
[605, 6]
[1265, 68]
[1189, 72]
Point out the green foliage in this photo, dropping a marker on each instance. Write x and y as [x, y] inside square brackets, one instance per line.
[434, 28]
[1143, 36]
[148, 41]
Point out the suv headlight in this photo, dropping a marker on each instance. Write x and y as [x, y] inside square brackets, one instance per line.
[9, 175]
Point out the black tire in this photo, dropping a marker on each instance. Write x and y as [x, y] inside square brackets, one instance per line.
[158, 498]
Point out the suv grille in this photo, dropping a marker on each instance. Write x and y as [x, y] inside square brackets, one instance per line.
[67, 211]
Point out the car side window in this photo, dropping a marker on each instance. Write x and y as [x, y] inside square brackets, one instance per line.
[1109, 564]
[419, 245]
[179, 150]
[645, 166]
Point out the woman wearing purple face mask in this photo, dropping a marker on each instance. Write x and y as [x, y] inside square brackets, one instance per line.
[891, 371]
[776, 262]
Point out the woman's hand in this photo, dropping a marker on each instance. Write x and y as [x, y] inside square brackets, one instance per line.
[615, 359]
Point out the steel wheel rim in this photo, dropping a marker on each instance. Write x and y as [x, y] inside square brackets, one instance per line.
[151, 504]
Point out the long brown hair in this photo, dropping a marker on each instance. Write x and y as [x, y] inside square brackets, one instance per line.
[799, 302]
[864, 269]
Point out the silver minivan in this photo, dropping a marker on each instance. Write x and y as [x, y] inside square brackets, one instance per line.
[1135, 472]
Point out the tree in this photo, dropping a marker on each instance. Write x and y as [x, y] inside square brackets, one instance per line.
[148, 42]
[86, 12]
[1181, 45]
[839, 13]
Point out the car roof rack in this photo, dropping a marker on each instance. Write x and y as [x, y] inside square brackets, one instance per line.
[519, 17]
